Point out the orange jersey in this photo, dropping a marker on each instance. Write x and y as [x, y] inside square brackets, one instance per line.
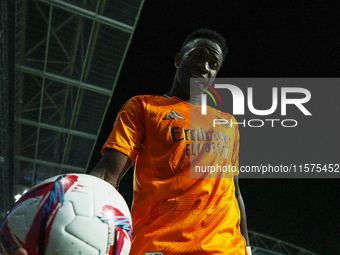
[175, 210]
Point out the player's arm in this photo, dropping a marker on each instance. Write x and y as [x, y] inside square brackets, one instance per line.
[243, 224]
[112, 166]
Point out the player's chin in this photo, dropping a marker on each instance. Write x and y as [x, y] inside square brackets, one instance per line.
[197, 86]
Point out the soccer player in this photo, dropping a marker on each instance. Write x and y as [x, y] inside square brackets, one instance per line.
[172, 212]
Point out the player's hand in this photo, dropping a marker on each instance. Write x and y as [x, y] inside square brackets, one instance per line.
[21, 251]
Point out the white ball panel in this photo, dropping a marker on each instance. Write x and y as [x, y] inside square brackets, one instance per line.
[23, 216]
[94, 232]
[82, 199]
[70, 243]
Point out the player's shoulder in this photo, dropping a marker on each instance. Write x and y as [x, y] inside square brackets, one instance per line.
[225, 116]
[147, 97]
[150, 99]
[140, 102]
[220, 113]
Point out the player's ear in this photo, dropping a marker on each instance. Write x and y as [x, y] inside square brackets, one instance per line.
[178, 59]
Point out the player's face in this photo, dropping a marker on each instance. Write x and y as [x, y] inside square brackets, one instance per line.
[200, 58]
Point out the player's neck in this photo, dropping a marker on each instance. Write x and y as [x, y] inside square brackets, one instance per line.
[184, 95]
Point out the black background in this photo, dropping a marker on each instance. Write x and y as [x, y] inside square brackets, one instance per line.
[265, 39]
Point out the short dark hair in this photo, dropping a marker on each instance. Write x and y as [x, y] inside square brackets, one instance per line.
[210, 35]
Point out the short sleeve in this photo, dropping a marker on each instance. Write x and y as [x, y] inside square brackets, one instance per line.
[129, 128]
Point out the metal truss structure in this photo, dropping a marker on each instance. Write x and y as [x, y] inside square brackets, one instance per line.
[5, 151]
[265, 245]
[68, 56]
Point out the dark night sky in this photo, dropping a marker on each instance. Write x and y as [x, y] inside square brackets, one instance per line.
[265, 39]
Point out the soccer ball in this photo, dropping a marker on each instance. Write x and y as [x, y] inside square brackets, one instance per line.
[69, 214]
